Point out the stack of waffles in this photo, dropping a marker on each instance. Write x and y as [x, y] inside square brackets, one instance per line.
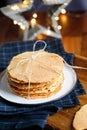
[35, 75]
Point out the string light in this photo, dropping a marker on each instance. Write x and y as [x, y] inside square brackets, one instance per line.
[14, 7]
[48, 32]
[59, 27]
[66, 4]
[34, 15]
[19, 23]
[63, 11]
[15, 22]
[56, 18]
[26, 2]
[22, 27]
[33, 22]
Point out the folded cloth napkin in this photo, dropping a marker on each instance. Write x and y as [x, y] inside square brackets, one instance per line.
[16, 116]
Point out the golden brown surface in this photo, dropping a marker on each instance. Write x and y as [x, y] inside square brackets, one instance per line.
[38, 90]
[44, 79]
[43, 70]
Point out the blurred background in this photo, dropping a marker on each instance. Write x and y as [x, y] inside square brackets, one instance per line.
[45, 19]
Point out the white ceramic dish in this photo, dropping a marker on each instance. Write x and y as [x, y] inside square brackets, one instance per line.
[68, 85]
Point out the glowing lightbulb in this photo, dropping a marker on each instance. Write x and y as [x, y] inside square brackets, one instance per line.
[63, 11]
[48, 32]
[15, 22]
[66, 4]
[59, 27]
[14, 7]
[33, 22]
[19, 23]
[34, 15]
[26, 2]
[22, 27]
[56, 18]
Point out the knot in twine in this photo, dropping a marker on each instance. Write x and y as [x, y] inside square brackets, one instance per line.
[30, 59]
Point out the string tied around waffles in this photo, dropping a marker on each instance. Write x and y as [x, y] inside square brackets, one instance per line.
[36, 74]
[30, 60]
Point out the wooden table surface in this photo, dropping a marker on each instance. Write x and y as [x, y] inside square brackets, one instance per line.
[63, 119]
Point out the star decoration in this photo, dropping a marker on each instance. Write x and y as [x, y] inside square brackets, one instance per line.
[14, 12]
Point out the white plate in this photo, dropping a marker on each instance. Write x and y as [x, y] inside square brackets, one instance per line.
[70, 79]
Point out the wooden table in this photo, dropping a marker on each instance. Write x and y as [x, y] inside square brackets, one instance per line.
[63, 119]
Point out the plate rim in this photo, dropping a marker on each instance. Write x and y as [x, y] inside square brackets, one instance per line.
[44, 102]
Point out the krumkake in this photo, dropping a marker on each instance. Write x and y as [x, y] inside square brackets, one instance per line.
[35, 74]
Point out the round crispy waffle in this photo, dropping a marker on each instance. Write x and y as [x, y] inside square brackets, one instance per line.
[46, 74]
[45, 67]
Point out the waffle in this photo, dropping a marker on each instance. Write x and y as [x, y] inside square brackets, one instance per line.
[46, 75]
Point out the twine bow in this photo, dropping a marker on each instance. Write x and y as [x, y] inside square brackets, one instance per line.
[30, 59]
